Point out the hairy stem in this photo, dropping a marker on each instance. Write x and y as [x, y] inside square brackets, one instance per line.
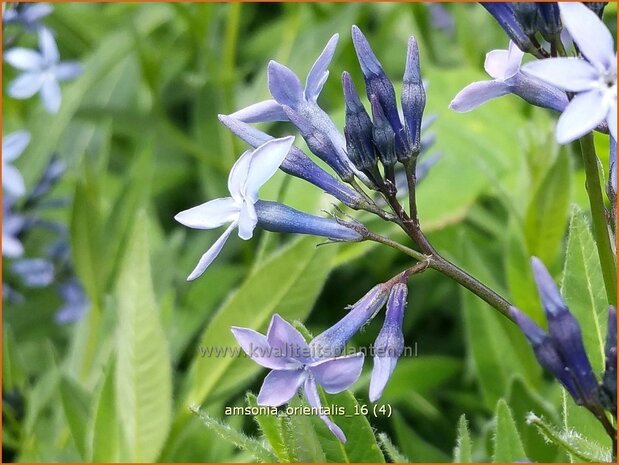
[598, 216]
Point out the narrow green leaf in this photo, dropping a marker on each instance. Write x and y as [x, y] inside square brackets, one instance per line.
[507, 443]
[13, 375]
[105, 421]
[271, 428]
[463, 450]
[300, 436]
[413, 445]
[143, 376]
[391, 450]
[231, 435]
[75, 402]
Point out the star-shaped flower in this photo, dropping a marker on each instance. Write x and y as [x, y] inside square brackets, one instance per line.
[12, 147]
[249, 173]
[593, 78]
[288, 355]
[43, 71]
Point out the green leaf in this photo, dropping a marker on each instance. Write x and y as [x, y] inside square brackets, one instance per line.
[507, 443]
[463, 450]
[143, 376]
[75, 402]
[271, 428]
[13, 375]
[414, 446]
[105, 422]
[391, 450]
[300, 436]
[231, 435]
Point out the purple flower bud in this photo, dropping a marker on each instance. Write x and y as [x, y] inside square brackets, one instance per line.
[376, 81]
[297, 163]
[358, 133]
[527, 15]
[384, 137]
[505, 16]
[413, 100]
[596, 7]
[273, 216]
[549, 20]
[609, 383]
[390, 341]
[332, 341]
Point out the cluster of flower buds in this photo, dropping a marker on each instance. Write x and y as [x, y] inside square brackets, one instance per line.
[296, 363]
[561, 350]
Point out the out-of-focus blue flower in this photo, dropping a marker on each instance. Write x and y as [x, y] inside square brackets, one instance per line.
[297, 163]
[561, 351]
[294, 103]
[608, 392]
[292, 364]
[249, 173]
[12, 225]
[441, 18]
[390, 341]
[27, 15]
[275, 217]
[52, 174]
[593, 79]
[504, 67]
[504, 14]
[42, 71]
[34, 272]
[332, 341]
[76, 302]
[12, 147]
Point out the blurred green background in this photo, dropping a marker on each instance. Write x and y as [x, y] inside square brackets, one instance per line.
[139, 133]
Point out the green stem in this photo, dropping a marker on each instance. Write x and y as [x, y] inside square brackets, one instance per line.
[598, 216]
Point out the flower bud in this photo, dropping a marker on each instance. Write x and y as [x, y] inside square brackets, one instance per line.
[596, 7]
[383, 135]
[549, 20]
[526, 13]
[505, 16]
[413, 101]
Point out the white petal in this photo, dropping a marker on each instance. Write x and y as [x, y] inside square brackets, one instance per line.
[265, 161]
[571, 74]
[68, 70]
[238, 176]
[14, 144]
[211, 254]
[11, 247]
[36, 11]
[503, 64]
[24, 59]
[318, 74]
[13, 181]
[25, 85]
[209, 215]
[247, 221]
[261, 112]
[50, 95]
[381, 372]
[582, 115]
[590, 34]
[48, 46]
[477, 93]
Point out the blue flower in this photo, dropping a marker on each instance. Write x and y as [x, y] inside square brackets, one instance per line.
[12, 147]
[34, 272]
[28, 15]
[12, 225]
[593, 78]
[504, 14]
[292, 364]
[42, 71]
[76, 302]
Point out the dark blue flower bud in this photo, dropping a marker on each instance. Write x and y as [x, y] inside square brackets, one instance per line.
[358, 133]
[505, 16]
[596, 7]
[413, 101]
[383, 135]
[549, 20]
[376, 81]
[526, 14]
[609, 382]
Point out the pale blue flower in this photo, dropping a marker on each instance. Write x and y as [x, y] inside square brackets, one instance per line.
[593, 78]
[285, 351]
[249, 173]
[76, 302]
[34, 272]
[12, 147]
[12, 225]
[504, 67]
[42, 71]
[28, 15]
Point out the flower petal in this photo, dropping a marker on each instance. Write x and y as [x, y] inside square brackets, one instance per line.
[24, 59]
[11, 247]
[14, 144]
[261, 112]
[256, 346]
[503, 64]
[48, 46]
[247, 221]
[381, 372]
[36, 11]
[284, 85]
[319, 73]
[337, 374]
[582, 115]
[285, 337]
[311, 394]
[478, 93]
[50, 95]
[572, 74]
[279, 386]
[68, 70]
[549, 293]
[13, 181]
[265, 161]
[211, 253]
[238, 176]
[590, 34]
[25, 85]
[209, 215]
